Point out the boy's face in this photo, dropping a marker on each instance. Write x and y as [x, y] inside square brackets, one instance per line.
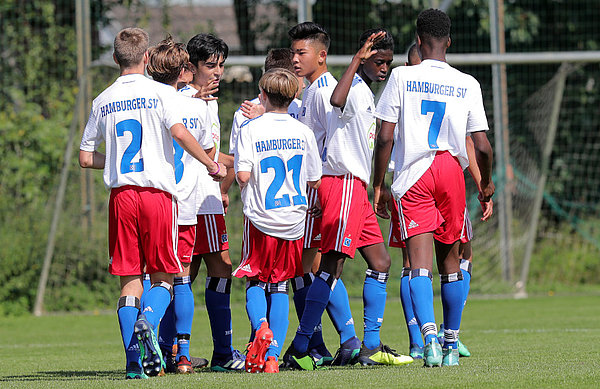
[308, 55]
[209, 72]
[376, 68]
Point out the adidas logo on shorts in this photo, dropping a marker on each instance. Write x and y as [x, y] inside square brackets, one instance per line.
[247, 268]
[412, 224]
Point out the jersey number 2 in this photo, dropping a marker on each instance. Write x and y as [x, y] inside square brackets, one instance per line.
[294, 165]
[135, 127]
[439, 109]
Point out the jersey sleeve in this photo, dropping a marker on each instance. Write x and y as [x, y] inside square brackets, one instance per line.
[323, 110]
[388, 107]
[92, 135]
[477, 121]
[314, 166]
[206, 139]
[244, 156]
[238, 120]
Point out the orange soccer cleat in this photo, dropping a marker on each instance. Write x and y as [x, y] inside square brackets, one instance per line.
[255, 358]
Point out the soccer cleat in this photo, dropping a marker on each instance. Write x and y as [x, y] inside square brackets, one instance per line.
[292, 359]
[382, 355]
[198, 363]
[184, 366]
[135, 372]
[450, 357]
[347, 353]
[440, 334]
[271, 365]
[255, 357]
[228, 362]
[432, 354]
[170, 361]
[321, 355]
[416, 351]
[463, 351]
[152, 360]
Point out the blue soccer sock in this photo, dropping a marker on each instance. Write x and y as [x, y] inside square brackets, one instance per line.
[300, 285]
[217, 296]
[183, 308]
[316, 301]
[146, 284]
[374, 297]
[128, 309]
[166, 331]
[414, 333]
[339, 312]
[256, 303]
[452, 302]
[156, 302]
[466, 268]
[279, 309]
[421, 292]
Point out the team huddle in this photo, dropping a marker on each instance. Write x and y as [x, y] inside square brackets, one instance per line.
[303, 168]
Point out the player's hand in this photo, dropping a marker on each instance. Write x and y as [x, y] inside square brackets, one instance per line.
[367, 51]
[205, 93]
[252, 110]
[316, 210]
[486, 192]
[380, 202]
[487, 210]
[218, 171]
[225, 199]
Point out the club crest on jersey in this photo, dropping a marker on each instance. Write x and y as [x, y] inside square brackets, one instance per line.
[347, 242]
[224, 238]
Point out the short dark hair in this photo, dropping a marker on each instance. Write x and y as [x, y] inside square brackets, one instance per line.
[387, 43]
[203, 46]
[411, 54]
[310, 31]
[279, 58]
[433, 23]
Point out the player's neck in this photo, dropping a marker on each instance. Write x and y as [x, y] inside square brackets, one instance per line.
[195, 84]
[317, 73]
[364, 76]
[139, 69]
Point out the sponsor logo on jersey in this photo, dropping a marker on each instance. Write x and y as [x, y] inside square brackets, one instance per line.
[347, 242]
[412, 224]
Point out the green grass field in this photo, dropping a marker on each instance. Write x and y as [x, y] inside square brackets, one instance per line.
[536, 342]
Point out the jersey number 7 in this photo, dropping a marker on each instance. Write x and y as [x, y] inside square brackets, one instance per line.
[294, 165]
[439, 109]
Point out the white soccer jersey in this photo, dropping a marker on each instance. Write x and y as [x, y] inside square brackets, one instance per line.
[208, 194]
[194, 114]
[134, 116]
[239, 119]
[435, 107]
[281, 154]
[316, 110]
[351, 134]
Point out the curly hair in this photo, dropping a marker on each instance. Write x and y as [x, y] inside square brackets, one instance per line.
[433, 23]
[387, 43]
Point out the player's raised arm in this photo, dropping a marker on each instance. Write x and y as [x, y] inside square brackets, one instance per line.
[340, 93]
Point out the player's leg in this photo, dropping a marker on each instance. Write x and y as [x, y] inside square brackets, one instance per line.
[128, 309]
[279, 308]
[466, 265]
[256, 307]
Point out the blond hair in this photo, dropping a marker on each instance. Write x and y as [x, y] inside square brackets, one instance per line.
[166, 60]
[130, 46]
[280, 86]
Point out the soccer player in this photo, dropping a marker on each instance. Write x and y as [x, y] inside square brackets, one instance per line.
[136, 119]
[348, 221]
[435, 107]
[168, 64]
[310, 43]
[207, 56]
[276, 158]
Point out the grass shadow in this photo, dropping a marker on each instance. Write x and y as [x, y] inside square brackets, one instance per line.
[65, 375]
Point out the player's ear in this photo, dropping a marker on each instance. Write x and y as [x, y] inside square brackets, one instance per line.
[322, 56]
[115, 59]
[146, 57]
[449, 42]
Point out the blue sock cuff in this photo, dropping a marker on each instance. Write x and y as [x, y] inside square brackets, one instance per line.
[128, 301]
[378, 276]
[406, 272]
[278, 287]
[301, 281]
[182, 280]
[452, 277]
[260, 284]
[163, 284]
[328, 278]
[146, 277]
[466, 265]
[219, 285]
[420, 273]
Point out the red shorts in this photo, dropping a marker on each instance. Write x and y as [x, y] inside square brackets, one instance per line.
[436, 202]
[312, 225]
[142, 231]
[211, 234]
[187, 239]
[268, 258]
[348, 221]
